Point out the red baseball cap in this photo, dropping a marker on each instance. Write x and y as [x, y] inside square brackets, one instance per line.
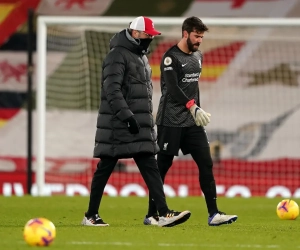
[145, 24]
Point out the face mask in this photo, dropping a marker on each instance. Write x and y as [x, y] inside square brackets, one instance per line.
[144, 43]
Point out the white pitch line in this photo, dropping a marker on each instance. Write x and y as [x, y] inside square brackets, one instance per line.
[100, 243]
[249, 246]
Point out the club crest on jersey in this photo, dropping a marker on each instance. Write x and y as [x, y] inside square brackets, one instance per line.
[167, 61]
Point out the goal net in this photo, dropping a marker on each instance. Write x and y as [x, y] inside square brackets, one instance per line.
[249, 83]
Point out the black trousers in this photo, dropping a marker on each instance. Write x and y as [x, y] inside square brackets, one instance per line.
[191, 140]
[148, 168]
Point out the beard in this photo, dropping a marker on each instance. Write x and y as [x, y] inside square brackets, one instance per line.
[191, 46]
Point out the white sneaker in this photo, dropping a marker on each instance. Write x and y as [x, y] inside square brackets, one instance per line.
[173, 218]
[94, 221]
[152, 220]
[221, 218]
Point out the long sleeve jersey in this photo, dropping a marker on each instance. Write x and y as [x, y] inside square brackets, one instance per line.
[180, 73]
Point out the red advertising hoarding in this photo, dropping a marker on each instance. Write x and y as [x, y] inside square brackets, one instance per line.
[234, 178]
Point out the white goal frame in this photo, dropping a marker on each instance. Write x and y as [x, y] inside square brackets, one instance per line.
[44, 21]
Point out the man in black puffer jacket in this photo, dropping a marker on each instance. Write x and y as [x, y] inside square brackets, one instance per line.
[125, 126]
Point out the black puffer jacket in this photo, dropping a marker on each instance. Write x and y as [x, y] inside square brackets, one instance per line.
[126, 90]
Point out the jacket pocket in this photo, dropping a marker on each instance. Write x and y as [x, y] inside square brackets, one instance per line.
[123, 135]
[120, 131]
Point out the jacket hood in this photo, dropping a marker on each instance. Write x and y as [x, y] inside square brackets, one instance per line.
[125, 40]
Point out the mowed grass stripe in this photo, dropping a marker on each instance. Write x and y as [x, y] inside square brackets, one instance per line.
[256, 228]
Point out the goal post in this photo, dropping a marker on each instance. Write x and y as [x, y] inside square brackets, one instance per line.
[247, 27]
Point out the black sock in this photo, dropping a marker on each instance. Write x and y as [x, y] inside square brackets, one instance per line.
[164, 162]
[151, 208]
[210, 193]
[204, 162]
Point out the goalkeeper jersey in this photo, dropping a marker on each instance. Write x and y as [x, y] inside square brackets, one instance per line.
[179, 80]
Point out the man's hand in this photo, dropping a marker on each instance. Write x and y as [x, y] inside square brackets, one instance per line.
[200, 116]
[133, 125]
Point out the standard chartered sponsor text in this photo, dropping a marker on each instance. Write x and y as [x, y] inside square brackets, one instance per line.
[194, 77]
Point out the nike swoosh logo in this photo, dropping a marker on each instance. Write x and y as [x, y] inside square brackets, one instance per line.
[184, 64]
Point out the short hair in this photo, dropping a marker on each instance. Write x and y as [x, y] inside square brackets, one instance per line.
[193, 23]
[130, 30]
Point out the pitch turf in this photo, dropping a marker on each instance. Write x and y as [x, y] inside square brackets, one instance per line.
[256, 228]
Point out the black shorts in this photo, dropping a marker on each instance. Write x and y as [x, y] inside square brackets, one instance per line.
[171, 139]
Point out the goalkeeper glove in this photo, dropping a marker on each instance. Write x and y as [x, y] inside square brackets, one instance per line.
[200, 116]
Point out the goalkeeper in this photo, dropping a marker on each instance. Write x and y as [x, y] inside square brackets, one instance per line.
[180, 119]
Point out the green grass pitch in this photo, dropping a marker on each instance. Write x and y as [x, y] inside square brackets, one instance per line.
[256, 228]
